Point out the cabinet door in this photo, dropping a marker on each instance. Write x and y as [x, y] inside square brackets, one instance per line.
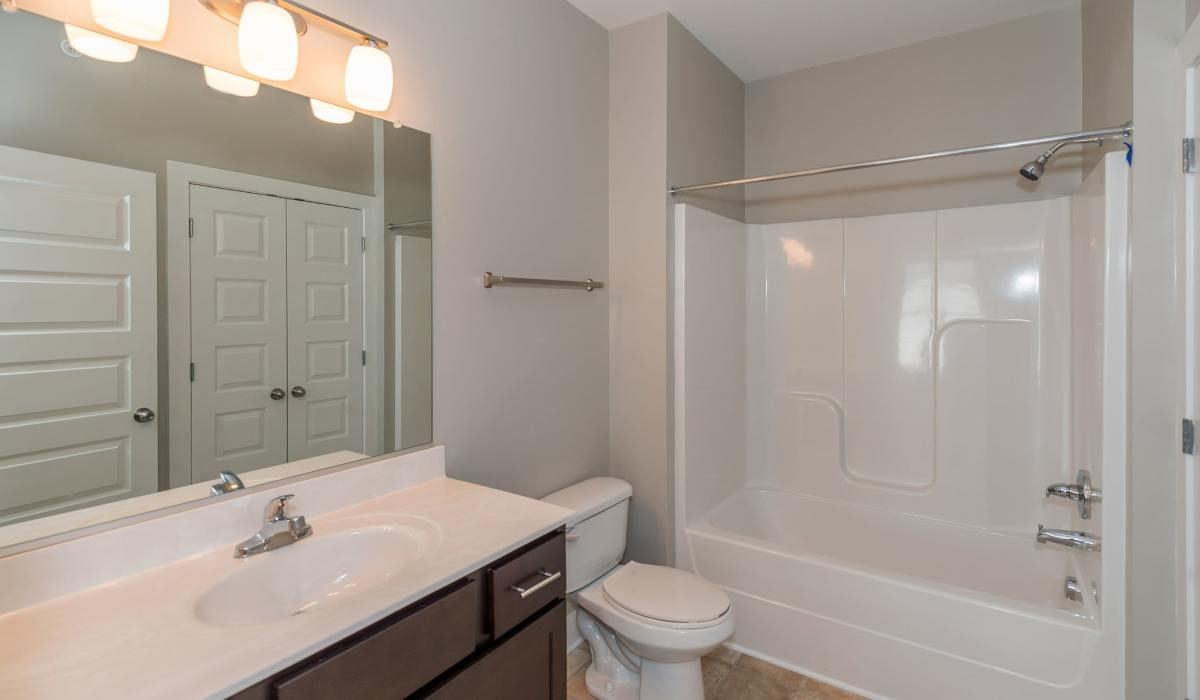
[239, 331]
[531, 665]
[325, 329]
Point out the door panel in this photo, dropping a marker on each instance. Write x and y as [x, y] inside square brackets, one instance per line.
[239, 331]
[325, 332]
[78, 338]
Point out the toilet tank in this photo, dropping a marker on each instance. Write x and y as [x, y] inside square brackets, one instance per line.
[596, 533]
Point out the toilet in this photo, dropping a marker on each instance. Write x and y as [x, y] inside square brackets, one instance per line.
[647, 626]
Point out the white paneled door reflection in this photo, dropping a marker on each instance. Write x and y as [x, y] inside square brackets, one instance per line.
[325, 329]
[77, 334]
[277, 330]
[239, 331]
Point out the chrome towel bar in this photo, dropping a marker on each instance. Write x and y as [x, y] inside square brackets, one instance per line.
[490, 280]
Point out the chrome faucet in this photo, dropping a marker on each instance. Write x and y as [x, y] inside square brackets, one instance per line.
[1081, 492]
[228, 484]
[279, 530]
[1069, 538]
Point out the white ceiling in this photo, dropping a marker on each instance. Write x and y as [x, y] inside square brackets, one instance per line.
[762, 38]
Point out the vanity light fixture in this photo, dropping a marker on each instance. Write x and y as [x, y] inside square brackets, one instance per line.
[229, 83]
[369, 77]
[330, 113]
[138, 19]
[100, 46]
[267, 41]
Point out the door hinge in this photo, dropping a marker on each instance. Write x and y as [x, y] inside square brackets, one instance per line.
[364, 358]
[191, 371]
[1189, 155]
[191, 227]
[1189, 436]
[364, 244]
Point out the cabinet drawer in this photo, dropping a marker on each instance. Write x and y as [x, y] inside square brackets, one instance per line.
[527, 583]
[397, 659]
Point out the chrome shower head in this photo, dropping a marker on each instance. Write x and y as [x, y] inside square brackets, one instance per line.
[1034, 169]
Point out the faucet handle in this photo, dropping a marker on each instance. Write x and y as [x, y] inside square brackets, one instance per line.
[277, 507]
[1081, 492]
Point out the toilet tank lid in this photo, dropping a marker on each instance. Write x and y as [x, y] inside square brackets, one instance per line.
[590, 497]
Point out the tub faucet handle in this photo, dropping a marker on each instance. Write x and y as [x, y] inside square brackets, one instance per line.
[1081, 492]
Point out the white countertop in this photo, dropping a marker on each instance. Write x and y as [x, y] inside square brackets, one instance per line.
[137, 636]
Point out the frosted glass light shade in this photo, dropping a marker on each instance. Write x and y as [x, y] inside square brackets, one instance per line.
[99, 46]
[369, 78]
[267, 41]
[331, 113]
[229, 83]
[139, 19]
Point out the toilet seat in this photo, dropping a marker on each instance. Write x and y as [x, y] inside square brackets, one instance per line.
[666, 596]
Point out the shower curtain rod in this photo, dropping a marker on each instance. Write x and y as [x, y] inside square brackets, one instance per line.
[1125, 130]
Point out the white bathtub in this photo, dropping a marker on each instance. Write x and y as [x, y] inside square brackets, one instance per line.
[843, 591]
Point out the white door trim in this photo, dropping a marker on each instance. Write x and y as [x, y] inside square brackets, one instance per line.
[1186, 220]
[180, 176]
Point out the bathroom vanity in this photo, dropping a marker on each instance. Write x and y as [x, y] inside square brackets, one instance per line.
[500, 632]
[410, 585]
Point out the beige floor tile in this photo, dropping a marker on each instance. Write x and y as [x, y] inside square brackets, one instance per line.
[780, 676]
[741, 684]
[725, 654]
[812, 689]
[578, 659]
[715, 673]
[577, 687]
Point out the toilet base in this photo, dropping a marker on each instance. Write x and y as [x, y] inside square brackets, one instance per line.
[615, 673]
[672, 681]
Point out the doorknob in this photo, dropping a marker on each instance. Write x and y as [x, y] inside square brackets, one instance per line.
[298, 392]
[143, 415]
[278, 394]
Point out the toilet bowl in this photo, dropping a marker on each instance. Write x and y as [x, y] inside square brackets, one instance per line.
[647, 626]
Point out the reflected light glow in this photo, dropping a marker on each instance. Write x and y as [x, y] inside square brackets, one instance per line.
[797, 254]
[1025, 283]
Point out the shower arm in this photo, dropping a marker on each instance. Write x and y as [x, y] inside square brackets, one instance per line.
[1098, 140]
[1124, 131]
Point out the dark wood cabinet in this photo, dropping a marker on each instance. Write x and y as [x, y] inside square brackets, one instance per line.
[498, 633]
[530, 664]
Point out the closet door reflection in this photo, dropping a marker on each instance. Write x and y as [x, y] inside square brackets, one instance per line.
[239, 331]
[325, 329]
[77, 334]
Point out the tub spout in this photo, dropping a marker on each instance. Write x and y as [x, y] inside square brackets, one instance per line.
[1069, 538]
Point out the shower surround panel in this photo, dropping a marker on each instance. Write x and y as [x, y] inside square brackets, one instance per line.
[932, 375]
[867, 414]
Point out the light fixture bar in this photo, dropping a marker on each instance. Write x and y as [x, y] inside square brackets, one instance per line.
[231, 10]
[335, 22]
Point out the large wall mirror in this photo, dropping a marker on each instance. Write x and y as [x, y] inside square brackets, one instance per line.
[199, 290]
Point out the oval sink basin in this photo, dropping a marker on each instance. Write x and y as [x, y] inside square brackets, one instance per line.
[343, 558]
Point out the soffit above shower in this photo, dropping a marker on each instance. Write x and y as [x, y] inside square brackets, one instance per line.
[771, 37]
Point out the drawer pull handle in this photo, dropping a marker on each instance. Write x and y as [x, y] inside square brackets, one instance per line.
[547, 579]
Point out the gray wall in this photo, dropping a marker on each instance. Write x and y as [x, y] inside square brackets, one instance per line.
[407, 198]
[638, 262]
[1107, 67]
[1007, 81]
[515, 93]
[706, 123]
[676, 115]
[157, 108]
